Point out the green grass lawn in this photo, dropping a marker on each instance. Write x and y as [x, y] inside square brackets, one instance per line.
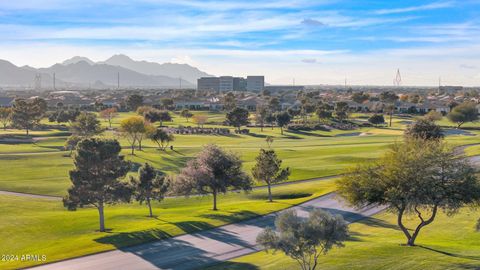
[376, 243]
[38, 226]
[32, 226]
[42, 167]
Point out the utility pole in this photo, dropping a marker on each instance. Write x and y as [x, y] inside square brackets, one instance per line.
[397, 81]
[439, 84]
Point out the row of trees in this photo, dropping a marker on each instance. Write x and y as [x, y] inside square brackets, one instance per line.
[99, 170]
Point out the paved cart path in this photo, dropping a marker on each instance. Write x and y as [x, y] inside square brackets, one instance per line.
[204, 248]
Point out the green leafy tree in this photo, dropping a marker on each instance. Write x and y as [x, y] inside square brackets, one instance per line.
[424, 129]
[283, 119]
[161, 138]
[324, 112]
[376, 119]
[341, 111]
[158, 116]
[186, 114]
[134, 101]
[167, 103]
[229, 102]
[238, 117]
[260, 116]
[86, 125]
[463, 113]
[5, 116]
[390, 98]
[26, 114]
[304, 240]
[417, 177]
[433, 116]
[71, 143]
[212, 171]
[270, 119]
[360, 97]
[96, 177]
[268, 169]
[134, 129]
[149, 185]
[274, 104]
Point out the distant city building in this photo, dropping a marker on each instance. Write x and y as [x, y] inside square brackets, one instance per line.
[228, 83]
[239, 84]
[208, 84]
[255, 83]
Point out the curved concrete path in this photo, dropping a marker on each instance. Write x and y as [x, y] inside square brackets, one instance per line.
[197, 250]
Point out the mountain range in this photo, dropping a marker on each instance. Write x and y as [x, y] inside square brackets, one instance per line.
[83, 72]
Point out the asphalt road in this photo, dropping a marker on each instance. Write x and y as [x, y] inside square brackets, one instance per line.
[204, 248]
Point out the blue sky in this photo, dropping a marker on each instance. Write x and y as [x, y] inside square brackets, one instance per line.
[322, 41]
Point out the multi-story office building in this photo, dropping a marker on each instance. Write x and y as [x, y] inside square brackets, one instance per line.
[229, 83]
[208, 84]
[239, 84]
[226, 84]
[255, 83]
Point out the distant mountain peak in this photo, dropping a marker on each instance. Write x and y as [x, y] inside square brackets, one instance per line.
[173, 70]
[77, 59]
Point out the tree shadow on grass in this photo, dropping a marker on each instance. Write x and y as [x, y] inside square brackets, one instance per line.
[305, 133]
[296, 195]
[233, 266]
[476, 258]
[467, 266]
[375, 222]
[234, 217]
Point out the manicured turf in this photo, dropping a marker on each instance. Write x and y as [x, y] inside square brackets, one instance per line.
[42, 167]
[376, 243]
[38, 226]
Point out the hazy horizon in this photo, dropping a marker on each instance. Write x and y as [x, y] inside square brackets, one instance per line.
[315, 42]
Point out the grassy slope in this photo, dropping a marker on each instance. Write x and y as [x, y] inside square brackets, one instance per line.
[36, 226]
[448, 243]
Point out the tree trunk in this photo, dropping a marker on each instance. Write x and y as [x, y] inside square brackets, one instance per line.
[149, 207]
[391, 115]
[27, 131]
[133, 149]
[281, 130]
[140, 145]
[101, 217]
[400, 224]
[261, 127]
[215, 201]
[269, 192]
[411, 241]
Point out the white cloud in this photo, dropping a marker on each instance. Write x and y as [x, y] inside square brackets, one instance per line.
[435, 5]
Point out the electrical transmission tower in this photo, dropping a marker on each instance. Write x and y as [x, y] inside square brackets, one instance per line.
[397, 81]
[38, 81]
